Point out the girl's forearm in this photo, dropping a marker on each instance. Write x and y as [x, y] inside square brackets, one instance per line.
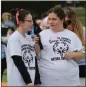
[78, 55]
[37, 48]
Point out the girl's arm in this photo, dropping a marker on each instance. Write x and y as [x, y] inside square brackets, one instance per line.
[74, 55]
[37, 47]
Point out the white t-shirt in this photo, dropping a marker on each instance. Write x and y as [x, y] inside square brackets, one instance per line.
[54, 69]
[18, 45]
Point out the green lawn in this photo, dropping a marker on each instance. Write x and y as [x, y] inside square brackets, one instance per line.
[4, 78]
[83, 19]
[81, 13]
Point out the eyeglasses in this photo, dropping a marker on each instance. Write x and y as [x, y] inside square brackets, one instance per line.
[29, 20]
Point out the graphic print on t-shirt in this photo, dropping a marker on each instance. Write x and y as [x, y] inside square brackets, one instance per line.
[27, 51]
[60, 46]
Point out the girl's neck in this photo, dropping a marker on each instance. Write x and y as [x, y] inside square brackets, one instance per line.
[21, 31]
[58, 29]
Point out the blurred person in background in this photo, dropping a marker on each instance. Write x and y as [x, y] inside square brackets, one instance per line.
[44, 24]
[44, 21]
[72, 22]
[38, 21]
[4, 40]
[7, 20]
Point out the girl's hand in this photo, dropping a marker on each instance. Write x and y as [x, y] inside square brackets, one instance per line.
[30, 84]
[36, 39]
[68, 55]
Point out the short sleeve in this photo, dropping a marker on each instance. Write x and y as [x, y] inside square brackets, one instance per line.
[14, 48]
[78, 44]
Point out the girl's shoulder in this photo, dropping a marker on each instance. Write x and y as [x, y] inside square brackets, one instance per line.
[69, 32]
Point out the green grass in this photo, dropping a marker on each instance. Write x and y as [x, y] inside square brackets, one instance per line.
[4, 78]
[82, 19]
[81, 14]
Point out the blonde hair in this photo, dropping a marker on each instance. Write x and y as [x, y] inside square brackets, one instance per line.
[76, 24]
[6, 16]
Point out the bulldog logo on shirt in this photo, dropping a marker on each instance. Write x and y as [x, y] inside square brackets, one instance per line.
[60, 46]
[27, 54]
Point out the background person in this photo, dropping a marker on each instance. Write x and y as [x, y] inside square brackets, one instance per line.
[73, 23]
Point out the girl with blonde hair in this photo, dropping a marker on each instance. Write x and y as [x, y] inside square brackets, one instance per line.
[7, 20]
[73, 23]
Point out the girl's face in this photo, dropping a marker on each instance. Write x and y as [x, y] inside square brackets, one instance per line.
[54, 21]
[28, 23]
[69, 26]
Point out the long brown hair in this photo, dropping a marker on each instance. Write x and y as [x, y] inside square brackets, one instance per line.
[76, 24]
